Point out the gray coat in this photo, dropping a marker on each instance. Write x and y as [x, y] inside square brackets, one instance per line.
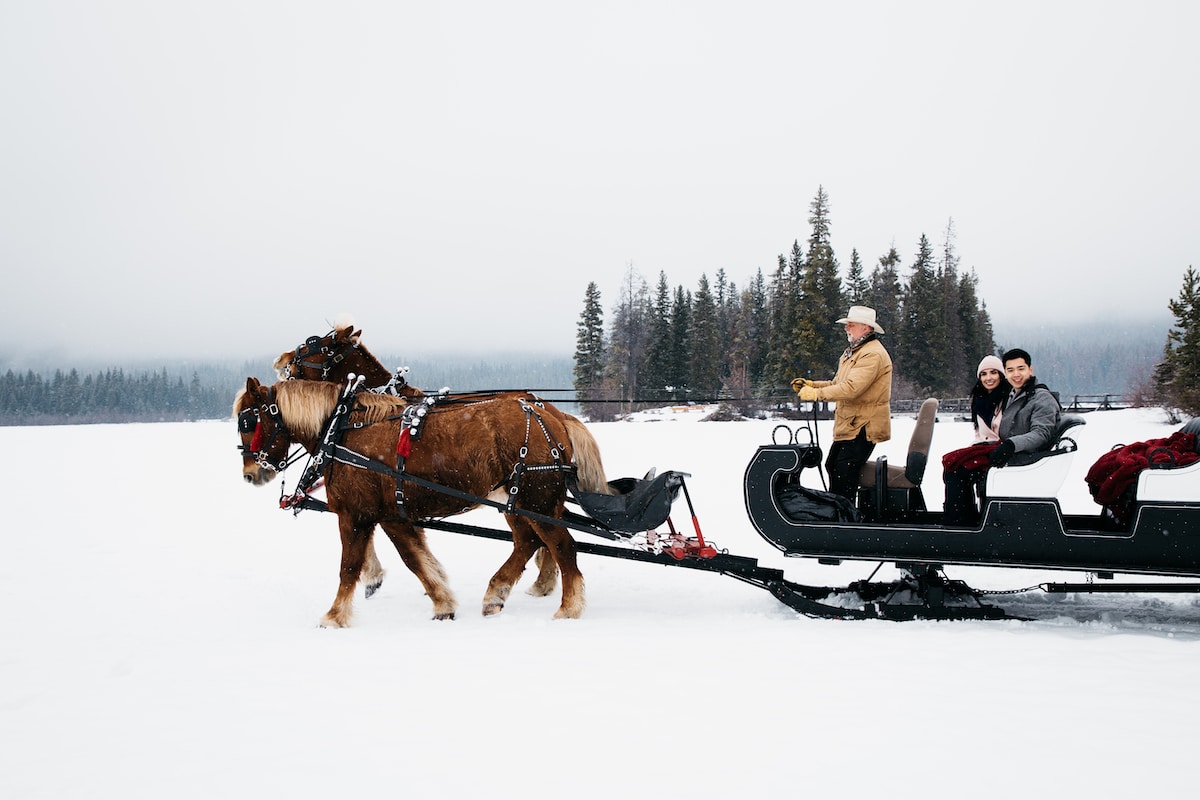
[1030, 417]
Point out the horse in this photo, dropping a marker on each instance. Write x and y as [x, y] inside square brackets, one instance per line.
[478, 449]
[340, 353]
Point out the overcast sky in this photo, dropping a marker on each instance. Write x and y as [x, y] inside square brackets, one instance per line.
[220, 179]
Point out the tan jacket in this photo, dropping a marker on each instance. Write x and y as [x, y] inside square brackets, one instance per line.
[862, 390]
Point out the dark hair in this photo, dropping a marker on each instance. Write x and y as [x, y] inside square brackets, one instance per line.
[1016, 353]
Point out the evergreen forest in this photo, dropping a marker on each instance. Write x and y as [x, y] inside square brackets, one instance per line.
[745, 344]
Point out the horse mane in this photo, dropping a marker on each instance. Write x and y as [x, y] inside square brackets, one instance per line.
[306, 405]
[237, 401]
[378, 407]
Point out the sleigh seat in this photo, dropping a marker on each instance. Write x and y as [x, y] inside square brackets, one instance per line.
[1039, 474]
[1163, 482]
[892, 493]
[635, 505]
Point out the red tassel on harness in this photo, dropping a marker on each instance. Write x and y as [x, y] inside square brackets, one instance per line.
[256, 440]
[404, 446]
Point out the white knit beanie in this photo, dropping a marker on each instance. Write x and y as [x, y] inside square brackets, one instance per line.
[990, 362]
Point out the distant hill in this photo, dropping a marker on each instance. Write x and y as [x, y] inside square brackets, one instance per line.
[1097, 357]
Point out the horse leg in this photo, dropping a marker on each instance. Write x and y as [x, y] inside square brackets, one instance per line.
[414, 551]
[562, 547]
[547, 577]
[373, 571]
[525, 542]
[355, 536]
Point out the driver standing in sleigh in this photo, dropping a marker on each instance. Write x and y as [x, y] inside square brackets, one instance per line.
[862, 390]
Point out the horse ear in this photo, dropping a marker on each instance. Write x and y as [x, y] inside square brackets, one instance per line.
[355, 336]
[252, 385]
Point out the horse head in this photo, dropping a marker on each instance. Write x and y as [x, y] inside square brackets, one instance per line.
[265, 438]
[316, 356]
[335, 356]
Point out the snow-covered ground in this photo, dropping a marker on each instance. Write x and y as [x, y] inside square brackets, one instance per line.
[161, 641]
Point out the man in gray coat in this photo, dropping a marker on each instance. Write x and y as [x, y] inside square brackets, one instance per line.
[1030, 413]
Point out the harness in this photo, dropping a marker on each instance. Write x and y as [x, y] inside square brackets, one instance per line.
[412, 420]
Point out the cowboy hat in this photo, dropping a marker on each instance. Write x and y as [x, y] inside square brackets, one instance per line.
[861, 314]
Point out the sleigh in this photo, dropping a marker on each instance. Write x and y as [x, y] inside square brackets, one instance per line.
[1021, 522]
[1021, 525]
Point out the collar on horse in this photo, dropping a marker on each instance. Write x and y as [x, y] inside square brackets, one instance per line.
[322, 456]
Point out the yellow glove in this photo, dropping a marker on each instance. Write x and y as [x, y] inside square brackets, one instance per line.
[807, 393]
[798, 382]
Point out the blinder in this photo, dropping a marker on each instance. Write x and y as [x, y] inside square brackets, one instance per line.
[247, 420]
[311, 346]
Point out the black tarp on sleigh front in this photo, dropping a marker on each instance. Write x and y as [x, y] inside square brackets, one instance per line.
[637, 504]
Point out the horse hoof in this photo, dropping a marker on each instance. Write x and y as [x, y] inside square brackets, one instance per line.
[492, 609]
[448, 615]
[562, 613]
[539, 591]
[371, 588]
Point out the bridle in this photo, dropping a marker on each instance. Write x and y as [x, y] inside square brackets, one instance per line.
[315, 345]
[250, 421]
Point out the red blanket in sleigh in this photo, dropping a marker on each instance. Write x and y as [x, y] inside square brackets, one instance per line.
[1115, 471]
[974, 457]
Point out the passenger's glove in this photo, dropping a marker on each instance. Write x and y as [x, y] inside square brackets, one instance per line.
[1000, 456]
[807, 393]
[798, 382]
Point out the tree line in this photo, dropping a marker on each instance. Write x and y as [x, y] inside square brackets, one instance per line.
[719, 341]
[117, 395]
[110, 396]
[722, 341]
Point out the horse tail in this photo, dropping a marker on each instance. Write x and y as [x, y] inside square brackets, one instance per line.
[586, 455]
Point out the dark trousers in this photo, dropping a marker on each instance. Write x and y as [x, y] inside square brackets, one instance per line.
[960, 506]
[845, 463]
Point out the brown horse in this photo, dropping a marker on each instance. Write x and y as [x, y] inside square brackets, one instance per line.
[473, 448]
[340, 353]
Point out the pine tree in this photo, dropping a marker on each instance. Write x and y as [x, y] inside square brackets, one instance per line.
[786, 299]
[628, 335]
[681, 344]
[921, 361]
[656, 374]
[959, 357]
[979, 339]
[857, 286]
[706, 354]
[818, 339]
[590, 354]
[885, 294]
[1177, 376]
[755, 322]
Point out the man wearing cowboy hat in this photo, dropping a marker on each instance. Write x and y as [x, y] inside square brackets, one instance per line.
[862, 390]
